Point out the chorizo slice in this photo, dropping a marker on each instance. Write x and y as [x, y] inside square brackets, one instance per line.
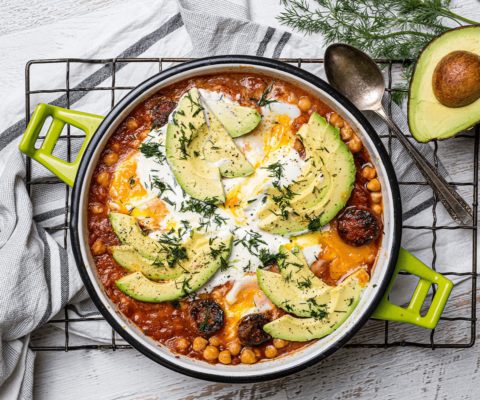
[359, 197]
[250, 330]
[358, 226]
[207, 316]
[161, 111]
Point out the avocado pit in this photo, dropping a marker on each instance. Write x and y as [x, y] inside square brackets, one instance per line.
[456, 79]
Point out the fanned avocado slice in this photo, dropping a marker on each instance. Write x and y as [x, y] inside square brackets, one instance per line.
[338, 162]
[184, 150]
[129, 232]
[296, 289]
[237, 120]
[201, 269]
[301, 330]
[221, 150]
[131, 260]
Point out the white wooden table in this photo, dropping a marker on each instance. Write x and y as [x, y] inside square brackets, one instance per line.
[395, 373]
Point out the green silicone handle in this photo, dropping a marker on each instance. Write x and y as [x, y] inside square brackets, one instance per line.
[411, 315]
[64, 170]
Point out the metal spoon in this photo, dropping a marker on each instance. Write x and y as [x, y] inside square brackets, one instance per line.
[354, 74]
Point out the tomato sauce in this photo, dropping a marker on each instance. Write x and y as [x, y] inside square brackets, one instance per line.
[168, 323]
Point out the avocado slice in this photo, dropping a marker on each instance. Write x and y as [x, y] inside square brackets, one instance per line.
[321, 204]
[221, 150]
[202, 267]
[296, 289]
[184, 150]
[237, 120]
[129, 232]
[130, 259]
[429, 119]
[301, 330]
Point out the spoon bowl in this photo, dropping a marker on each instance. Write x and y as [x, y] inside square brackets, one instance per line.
[356, 75]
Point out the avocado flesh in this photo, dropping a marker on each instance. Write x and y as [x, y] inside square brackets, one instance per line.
[220, 149]
[429, 119]
[131, 260]
[184, 151]
[301, 330]
[130, 234]
[289, 290]
[340, 173]
[237, 120]
[201, 269]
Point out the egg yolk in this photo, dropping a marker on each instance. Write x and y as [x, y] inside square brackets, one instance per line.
[126, 189]
[343, 258]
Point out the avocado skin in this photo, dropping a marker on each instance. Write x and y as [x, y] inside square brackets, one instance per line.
[413, 104]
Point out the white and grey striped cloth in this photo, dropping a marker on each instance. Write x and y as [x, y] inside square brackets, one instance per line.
[39, 276]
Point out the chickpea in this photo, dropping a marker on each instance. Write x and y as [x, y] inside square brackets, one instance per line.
[214, 341]
[98, 248]
[280, 343]
[132, 124]
[115, 147]
[248, 357]
[234, 348]
[110, 159]
[292, 98]
[336, 120]
[355, 144]
[346, 133]
[144, 134]
[304, 104]
[271, 352]
[368, 172]
[257, 352]
[98, 209]
[136, 143]
[373, 185]
[377, 209]
[210, 353]
[182, 344]
[376, 197]
[103, 179]
[225, 357]
[298, 145]
[199, 344]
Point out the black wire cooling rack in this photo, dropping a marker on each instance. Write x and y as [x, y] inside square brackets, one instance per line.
[110, 66]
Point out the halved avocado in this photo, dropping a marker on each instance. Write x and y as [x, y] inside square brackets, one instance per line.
[221, 150]
[130, 259]
[202, 267]
[237, 120]
[296, 289]
[428, 118]
[337, 165]
[184, 150]
[301, 330]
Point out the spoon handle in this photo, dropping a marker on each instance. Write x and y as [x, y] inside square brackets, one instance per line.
[451, 200]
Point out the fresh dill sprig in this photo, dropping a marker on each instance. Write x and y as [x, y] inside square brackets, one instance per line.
[153, 149]
[263, 100]
[394, 29]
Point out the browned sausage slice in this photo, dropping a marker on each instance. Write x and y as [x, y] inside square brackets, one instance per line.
[207, 316]
[161, 111]
[359, 225]
[250, 330]
[359, 197]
